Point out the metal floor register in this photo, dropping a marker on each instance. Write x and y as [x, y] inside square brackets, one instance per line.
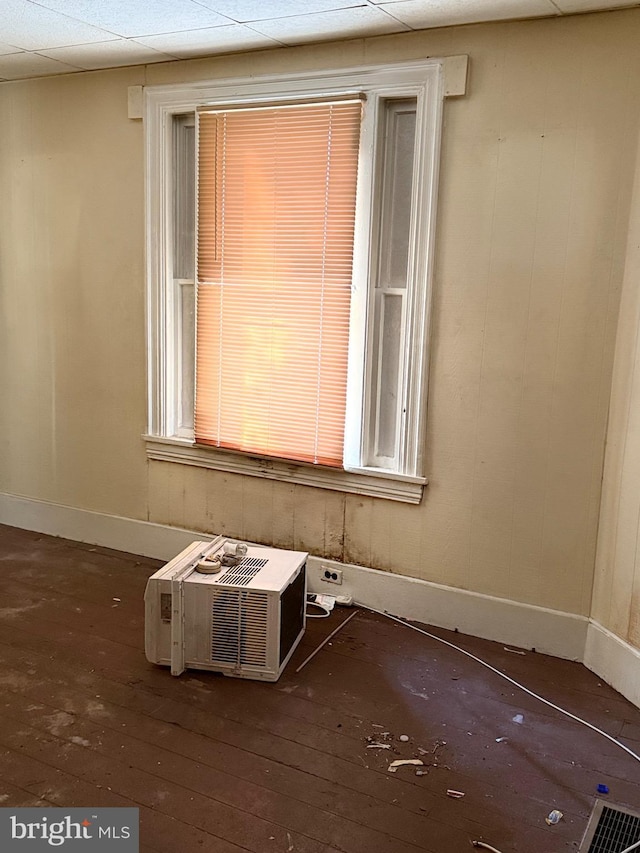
[611, 829]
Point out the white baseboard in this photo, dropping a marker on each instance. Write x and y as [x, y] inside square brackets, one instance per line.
[550, 631]
[614, 661]
[564, 635]
[111, 531]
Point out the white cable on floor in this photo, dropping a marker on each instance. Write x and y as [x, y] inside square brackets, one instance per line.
[326, 640]
[511, 681]
[325, 611]
[485, 846]
[633, 847]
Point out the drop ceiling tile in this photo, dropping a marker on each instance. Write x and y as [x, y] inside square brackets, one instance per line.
[419, 14]
[345, 23]
[8, 48]
[208, 42]
[259, 10]
[140, 18]
[21, 65]
[572, 6]
[32, 27]
[109, 54]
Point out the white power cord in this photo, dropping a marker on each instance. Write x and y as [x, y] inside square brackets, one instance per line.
[515, 684]
[326, 640]
[323, 615]
[633, 847]
[324, 603]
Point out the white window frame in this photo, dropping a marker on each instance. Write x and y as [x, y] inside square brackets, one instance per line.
[166, 440]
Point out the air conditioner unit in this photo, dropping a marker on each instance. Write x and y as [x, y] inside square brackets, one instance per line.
[245, 619]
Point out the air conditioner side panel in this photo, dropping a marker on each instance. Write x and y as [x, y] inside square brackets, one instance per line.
[157, 621]
[293, 605]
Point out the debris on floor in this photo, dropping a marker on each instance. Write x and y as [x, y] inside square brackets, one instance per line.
[457, 795]
[514, 651]
[379, 740]
[519, 719]
[401, 762]
[439, 744]
[554, 817]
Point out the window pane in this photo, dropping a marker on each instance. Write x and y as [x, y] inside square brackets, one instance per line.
[397, 165]
[276, 212]
[187, 355]
[184, 196]
[395, 174]
[389, 365]
[184, 179]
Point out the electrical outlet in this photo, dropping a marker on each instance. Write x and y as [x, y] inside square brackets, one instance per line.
[331, 575]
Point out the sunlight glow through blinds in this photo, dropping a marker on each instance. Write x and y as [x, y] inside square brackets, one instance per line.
[276, 211]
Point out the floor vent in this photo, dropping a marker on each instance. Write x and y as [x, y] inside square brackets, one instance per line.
[611, 829]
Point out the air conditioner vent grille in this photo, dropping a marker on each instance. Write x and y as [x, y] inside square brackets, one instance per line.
[239, 627]
[244, 572]
[611, 829]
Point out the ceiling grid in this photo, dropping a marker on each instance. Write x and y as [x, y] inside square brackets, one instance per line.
[48, 37]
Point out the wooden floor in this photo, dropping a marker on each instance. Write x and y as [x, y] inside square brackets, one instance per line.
[226, 765]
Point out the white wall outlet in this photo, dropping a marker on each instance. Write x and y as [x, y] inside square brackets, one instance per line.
[331, 575]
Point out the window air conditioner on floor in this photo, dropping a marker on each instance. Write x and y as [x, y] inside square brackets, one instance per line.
[227, 607]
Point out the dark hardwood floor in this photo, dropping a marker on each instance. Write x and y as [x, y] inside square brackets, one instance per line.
[228, 765]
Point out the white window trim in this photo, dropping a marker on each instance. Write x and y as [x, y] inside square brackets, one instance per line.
[362, 482]
[427, 81]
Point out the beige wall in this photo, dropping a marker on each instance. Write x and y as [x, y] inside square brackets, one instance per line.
[537, 168]
[72, 346]
[616, 596]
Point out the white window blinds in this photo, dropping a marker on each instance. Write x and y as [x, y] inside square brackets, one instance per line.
[276, 211]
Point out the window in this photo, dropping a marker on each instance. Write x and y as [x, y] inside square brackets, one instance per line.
[290, 228]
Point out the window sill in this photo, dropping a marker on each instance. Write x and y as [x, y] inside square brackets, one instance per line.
[371, 482]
